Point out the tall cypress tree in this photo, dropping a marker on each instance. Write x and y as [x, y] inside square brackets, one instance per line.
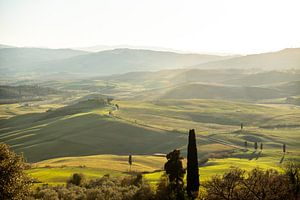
[192, 166]
[130, 161]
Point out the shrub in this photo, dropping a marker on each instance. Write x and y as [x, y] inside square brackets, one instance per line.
[256, 184]
[164, 191]
[14, 184]
[76, 179]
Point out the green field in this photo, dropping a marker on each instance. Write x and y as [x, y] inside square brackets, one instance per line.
[60, 175]
[58, 171]
[219, 166]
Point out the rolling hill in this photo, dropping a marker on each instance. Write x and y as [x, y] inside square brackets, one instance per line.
[209, 91]
[232, 77]
[284, 59]
[292, 87]
[125, 60]
[27, 59]
[265, 78]
[199, 90]
[117, 61]
[47, 61]
[82, 129]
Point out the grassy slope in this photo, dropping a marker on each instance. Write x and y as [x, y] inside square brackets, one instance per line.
[219, 166]
[58, 170]
[218, 122]
[89, 131]
[156, 124]
[60, 175]
[210, 115]
[210, 91]
[108, 162]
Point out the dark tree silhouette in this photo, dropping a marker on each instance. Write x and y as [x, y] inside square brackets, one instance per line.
[76, 179]
[14, 184]
[130, 161]
[292, 170]
[246, 145]
[242, 126]
[192, 166]
[283, 148]
[255, 146]
[175, 172]
[261, 146]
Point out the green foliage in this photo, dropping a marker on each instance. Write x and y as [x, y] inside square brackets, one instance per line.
[164, 190]
[104, 188]
[14, 184]
[256, 184]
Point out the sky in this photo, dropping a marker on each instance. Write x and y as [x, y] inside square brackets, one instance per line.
[219, 26]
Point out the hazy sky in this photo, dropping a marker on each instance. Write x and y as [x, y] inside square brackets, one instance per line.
[228, 26]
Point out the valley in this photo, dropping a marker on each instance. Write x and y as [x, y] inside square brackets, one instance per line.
[90, 125]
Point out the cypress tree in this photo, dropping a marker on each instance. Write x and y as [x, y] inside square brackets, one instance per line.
[246, 145]
[192, 166]
[255, 146]
[130, 161]
[283, 148]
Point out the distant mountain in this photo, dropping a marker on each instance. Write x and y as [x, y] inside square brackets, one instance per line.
[97, 48]
[284, 59]
[125, 60]
[24, 59]
[40, 61]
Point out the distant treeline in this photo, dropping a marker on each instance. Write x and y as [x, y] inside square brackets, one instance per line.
[12, 94]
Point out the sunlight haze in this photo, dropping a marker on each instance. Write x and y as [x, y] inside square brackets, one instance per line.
[232, 26]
